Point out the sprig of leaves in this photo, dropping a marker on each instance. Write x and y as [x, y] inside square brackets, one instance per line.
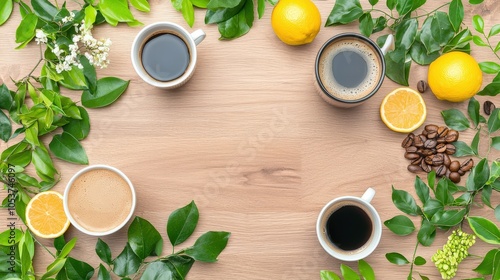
[234, 18]
[48, 109]
[141, 256]
[348, 273]
[441, 31]
[488, 67]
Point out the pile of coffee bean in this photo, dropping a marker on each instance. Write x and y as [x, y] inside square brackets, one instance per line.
[431, 150]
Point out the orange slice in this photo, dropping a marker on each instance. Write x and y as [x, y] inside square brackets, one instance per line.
[403, 110]
[45, 215]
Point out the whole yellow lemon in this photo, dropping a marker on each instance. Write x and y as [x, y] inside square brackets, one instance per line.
[454, 76]
[296, 22]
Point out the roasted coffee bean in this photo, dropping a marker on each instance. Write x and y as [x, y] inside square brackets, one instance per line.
[425, 167]
[428, 159]
[414, 168]
[446, 160]
[422, 86]
[427, 152]
[454, 166]
[450, 149]
[411, 149]
[488, 107]
[417, 141]
[425, 132]
[442, 131]
[441, 171]
[430, 144]
[431, 135]
[441, 140]
[408, 141]
[461, 172]
[441, 148]
[438, 160]
[467, 165]
[431, 128]
[417, 161]
[412, 156]
[454, 177]
[452, 136]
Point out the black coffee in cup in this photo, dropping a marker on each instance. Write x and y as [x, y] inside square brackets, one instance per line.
[349, 227]
[165, 57]
[349, 68]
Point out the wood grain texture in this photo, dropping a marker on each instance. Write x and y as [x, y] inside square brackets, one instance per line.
[254, 145]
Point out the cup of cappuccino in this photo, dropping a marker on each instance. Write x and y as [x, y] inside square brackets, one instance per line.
[99, 200]
[350, 68]
[349, 228]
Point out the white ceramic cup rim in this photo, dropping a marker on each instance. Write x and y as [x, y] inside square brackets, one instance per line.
[377, 230]
[144, 34]
[75, 223]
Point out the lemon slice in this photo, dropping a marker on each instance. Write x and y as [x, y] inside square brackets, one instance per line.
[45, 215]
[403, 110]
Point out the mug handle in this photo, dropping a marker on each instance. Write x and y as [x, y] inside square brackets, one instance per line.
[198, 36]
[388, 45]
[368, 195]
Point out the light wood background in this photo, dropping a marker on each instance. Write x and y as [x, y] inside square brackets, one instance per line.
[251, 105]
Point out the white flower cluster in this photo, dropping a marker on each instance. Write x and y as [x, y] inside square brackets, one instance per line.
[96, 51]
[68, 18]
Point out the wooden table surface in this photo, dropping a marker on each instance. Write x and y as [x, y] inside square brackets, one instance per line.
[251, 104]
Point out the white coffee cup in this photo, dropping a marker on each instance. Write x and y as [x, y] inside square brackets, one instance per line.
[99, 200]
[326, 231]
[190, 39]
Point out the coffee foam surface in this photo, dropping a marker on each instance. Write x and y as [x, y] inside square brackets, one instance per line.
[325, 69]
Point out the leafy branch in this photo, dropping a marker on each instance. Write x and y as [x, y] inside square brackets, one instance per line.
[348, 273]
[140, 258]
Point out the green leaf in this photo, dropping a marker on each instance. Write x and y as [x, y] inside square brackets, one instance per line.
[66, 147]
[475, 143]
[491, 89]
[181, 264]
[348, 273]
[486, 195]
[328, 275]
[406, 33]
[495, 29]
[77, 270]
[448, 218]
[485, 229]
[427, 36]
[419, 261]
[426, 233]
[44, 166]
[489, 67]
[126, 263]
[200, 3]
[419, 54]
[44, 9]
[10, 237]
[182, 223]
[486, 265]
[405, 202]
[115, 11]
[432, 206]
[188, 12]
[109, 89]
[80, 129]
[456, 13]
[391, 4]
[90, 16]
[475, 2]
[103, 273]
[26, 29]
[443, 194]
[497, 212]
[404, 6]
[473, 111]
[400, 225]
[222, 13]
[366, 270]
[366, 24]
[239, 24]
[73, 79]
[479, 41]
[103, 251]
[158, 270]
[396, 258]
[496, 267]
[398, 66]
[54, 268]
[208, 246]
[431, 179]
[141, 5]
[455, 119]
[379, 24]
[478, 176]
[261, 7]
[6, 8]
[495, 142]
[59, 243]
[494, 121]
[67, 248]
[216, 4]
[373, 2]
[344, 11]
[478, 23]
[5, 127]
[422, 190]
[5, 98]
[459, 41]
[143, 237]
[462, 149]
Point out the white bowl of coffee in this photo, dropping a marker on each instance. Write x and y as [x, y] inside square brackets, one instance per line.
[99, 200]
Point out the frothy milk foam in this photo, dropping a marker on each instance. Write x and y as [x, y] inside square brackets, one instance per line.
[99, 200]
[325, 69]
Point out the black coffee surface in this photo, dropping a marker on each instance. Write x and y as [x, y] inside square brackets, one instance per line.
[349, 228]
[165, 57]
[349, 68]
